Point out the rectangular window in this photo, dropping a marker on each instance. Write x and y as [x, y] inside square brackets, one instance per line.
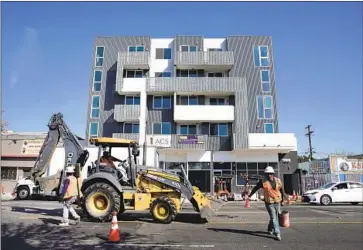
[95, 108]
[134, 74]
[8, 173]
[162, 102]
[163, 128]
[132, 100]
[261, 56]
[265, 81]
[264, 107]
[214, 49]
[138, 48]
[188, 48]
[97, 80]
[100, 52]
[218, 129]
[163, 74]
[164, 53]
[189, 100]
[131, 128]
[269, 128]
[188, 130]
[93, 129]
[217, 101]
[215, 74]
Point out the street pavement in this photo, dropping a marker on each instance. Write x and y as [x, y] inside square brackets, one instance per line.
[32, 225]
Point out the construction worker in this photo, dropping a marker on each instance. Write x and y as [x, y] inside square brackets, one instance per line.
[69, 196]
[273, 196]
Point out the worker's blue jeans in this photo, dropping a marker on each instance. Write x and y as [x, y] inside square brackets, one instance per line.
[274, 210]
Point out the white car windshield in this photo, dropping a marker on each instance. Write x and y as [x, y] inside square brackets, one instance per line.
[326, 186]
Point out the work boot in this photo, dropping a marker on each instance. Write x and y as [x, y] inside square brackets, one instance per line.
[270, 232]
[78, 220]
[278, 237]
[64, 224]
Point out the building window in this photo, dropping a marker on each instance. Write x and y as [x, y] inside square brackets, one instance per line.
[163, 128]
[189, 100]
[214, 49]
[131, 128]
[265, 81]
[95, 110]
[261, 56]
[269, 128]
[264, 107]
[218, 129]
[162, 102]
[163, 53]
[190, 73]
[93, 129]
[97, 80]
[217, 101]
[136, 48]
[8, 173]
[132, 100]
[134, 74]
[215, 74]
[100, 51]
[188, 130]
[163, 74]
[188, 48]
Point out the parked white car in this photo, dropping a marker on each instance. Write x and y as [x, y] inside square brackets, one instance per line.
[339, 192]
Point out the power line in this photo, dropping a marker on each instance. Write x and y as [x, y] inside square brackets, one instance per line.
[308, 134]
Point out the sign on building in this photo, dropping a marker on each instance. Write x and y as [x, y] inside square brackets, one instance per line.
[319, 167]
[191, 139]
[32, 147]
[163, 141]
[344, 165]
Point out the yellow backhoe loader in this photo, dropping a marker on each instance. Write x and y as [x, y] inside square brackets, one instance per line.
[135, 187]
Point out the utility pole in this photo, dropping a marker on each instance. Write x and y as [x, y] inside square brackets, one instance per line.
[308, 134]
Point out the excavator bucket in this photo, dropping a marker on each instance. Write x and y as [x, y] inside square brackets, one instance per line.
[205, 205]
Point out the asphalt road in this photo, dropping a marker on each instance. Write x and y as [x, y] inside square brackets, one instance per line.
[29, 225]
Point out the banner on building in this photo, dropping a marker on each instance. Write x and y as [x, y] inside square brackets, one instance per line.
[162, 141]
[32, 147]
[319, 167]
[191, 139]
[344, 165]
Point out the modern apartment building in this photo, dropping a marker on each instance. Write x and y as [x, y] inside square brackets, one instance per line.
[207, 103]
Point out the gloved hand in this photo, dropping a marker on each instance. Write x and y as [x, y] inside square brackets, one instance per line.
[61, 200]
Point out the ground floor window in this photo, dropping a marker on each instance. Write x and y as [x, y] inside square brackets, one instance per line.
[8, 173]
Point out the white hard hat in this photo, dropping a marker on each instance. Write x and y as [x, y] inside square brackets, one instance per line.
[269, 170]
[70, 170]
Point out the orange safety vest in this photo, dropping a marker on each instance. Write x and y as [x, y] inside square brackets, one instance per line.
[72, 187]
[272, 195]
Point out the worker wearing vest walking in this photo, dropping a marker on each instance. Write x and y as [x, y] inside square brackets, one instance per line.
[69, 196]
[273, 196]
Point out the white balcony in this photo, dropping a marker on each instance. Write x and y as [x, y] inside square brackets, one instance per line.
[282, 142]
[131, 85]
[203, 113]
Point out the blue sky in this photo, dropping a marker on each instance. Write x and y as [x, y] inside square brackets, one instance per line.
[47, 53]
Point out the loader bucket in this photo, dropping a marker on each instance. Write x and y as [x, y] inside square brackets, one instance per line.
[205, 205]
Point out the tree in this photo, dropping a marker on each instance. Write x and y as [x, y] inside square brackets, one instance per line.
[4, 124]
[344, 153]
[304, 158]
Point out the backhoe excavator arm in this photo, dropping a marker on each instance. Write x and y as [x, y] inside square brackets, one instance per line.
[74, 153]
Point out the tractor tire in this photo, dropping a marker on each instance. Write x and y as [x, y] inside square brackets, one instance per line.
[100, 200]
[163, 210]
[23, 193]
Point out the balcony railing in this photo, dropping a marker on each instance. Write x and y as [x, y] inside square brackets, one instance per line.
[201, 142]
[204, 113]
[195, 84]
[124, 113]
[205, 58]
[134, 60]
[130, 85]
[126, 136]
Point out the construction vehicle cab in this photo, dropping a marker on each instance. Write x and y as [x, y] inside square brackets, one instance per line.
[148, 188]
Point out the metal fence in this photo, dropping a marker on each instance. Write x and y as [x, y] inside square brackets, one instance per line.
[313, 181]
